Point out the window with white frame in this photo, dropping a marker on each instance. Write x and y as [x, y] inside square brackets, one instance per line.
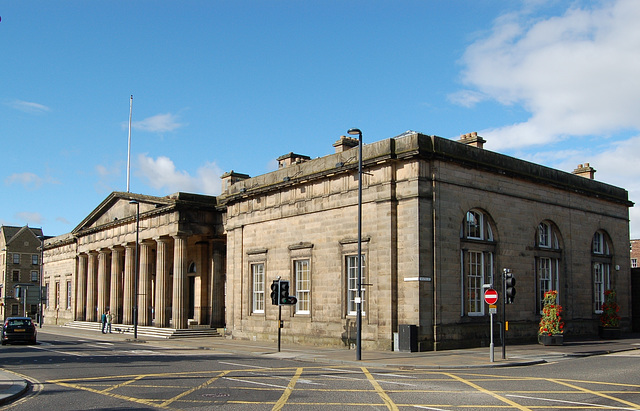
[475, 280]
[634, 263]
[16, 258]
[474, 226]
[352, 282]
[68, 295]
[544, 235]
[34, 276]
[602, 260]
[57, 300]
[600, 245]
[34, 259]
[547, 259]
[477, 261]
[302, 276]
[257, 281]
[601, 283]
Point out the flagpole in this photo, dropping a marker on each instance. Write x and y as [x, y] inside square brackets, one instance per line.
[129, 148]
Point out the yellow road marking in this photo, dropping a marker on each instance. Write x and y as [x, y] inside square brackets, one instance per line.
[287, 391]
[385, 397]
[110, 394]
[493, 394]
[204, 384]
[599, 394]
[113, 387]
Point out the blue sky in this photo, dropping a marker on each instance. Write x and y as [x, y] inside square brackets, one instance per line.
[232, 85]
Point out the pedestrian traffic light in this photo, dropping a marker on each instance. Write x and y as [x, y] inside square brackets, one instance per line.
[283, 293]
[274, 292]
[510, 287]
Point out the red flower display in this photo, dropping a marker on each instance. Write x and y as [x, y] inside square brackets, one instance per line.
[551, 321]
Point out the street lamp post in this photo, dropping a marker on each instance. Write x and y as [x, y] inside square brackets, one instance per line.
[353, 132]
[135, 282]
[40, 308]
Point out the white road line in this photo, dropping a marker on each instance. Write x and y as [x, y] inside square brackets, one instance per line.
[255, 382]
[242, 365]
[62, 352]
[569, 402]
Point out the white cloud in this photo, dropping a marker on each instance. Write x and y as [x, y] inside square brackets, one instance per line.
[29, 181]
[466, 98]
[28, 107]
[33, 219]
[616, 165]
[577, 74]
[161, 173]
[63, 220]
[159, 123]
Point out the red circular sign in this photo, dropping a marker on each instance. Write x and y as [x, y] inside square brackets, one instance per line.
[491, 296]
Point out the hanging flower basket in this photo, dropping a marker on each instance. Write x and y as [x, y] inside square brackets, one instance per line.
[551, 328]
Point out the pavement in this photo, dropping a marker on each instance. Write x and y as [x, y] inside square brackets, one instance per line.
[13, 385]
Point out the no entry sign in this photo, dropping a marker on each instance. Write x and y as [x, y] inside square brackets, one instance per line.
[491, 296]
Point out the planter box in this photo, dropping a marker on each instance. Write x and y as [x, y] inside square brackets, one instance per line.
[609, 333]
[556, 339]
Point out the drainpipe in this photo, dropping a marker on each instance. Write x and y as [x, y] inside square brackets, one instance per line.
[435, 265]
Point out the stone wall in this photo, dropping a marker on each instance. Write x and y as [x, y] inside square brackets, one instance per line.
[416, 192]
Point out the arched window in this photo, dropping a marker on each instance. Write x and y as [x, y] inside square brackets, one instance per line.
[477, 251]
[548, 255]
[602, 258]
[192, 268]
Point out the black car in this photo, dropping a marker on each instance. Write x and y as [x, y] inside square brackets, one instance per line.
[18, 329]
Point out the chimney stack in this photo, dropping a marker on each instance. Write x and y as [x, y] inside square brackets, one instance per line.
[345, 143]
[287, 160]
[585, 170]
[230, 178]
[472, 139]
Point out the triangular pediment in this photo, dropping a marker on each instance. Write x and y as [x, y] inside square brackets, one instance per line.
[118, 206]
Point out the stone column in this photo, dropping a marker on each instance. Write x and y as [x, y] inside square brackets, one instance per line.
[129, 278]
[81, 288]
[144, 288]
[92, 286]
[103, 280]
[203, 296]
[162, 278]
[218, 274]
[179, 315]
[115, 302]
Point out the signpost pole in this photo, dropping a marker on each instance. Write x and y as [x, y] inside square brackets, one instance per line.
[491, 297]
[491, 344]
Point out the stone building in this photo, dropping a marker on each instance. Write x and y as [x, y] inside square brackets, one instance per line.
[180, 274]
[441, 219]
[20, 257]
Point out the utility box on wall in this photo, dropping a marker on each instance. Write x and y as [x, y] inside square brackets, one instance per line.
[408, 338]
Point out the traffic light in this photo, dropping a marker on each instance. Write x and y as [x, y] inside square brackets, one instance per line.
[510, 287]
[274, 292]
[283, 294]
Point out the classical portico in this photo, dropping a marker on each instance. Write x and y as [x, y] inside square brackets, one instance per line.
[180, 253]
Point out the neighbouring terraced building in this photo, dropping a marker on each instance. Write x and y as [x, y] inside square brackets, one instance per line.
[441, 219]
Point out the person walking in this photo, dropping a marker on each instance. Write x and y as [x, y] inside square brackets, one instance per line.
[109, 318]
[103, 319]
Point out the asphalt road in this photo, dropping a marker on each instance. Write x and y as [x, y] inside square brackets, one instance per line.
[82, 374]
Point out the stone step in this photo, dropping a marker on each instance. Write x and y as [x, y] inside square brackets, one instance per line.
[147, 331]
